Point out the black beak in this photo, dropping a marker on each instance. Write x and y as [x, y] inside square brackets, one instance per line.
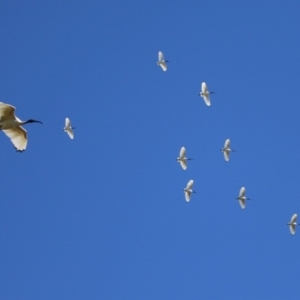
[33, 121]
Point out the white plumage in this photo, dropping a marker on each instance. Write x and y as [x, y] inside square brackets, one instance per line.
[226, 150]
[242, 198]
[161, 61]
[205, 93]
[182, 159]
[68, 128]
[11, 126]
[293, 223]
[188, 190]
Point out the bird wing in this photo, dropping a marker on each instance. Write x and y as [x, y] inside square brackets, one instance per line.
[294, 218]
[227, 143]
[242, 203]
[160, 56]
[204, 87]
[182, 152]
[70, 132]
[163, 66]
[67, 123]
[242, 192]
[226, 155]
[183, 164]
[7, 112]
[292, 229]
[190, 184]
[187, 196]
[18, 137]
[206, 99]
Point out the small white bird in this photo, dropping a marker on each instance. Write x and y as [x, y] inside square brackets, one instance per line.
[11, 126]
[188, 190]
[293, 223]
[242, 198]
[182, 159]
[205, 93]
[226, 150]
[161, 61]
[69, 129]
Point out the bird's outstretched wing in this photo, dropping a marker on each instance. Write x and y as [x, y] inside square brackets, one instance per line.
[70, 132]
[242, 192]
[292, 229]
[183, 164]
[18, 137]
[67, 123]
[294, 218]
[7, 112]
[204, 87]
[163, 66]
[182, 152]
[190, 184]
[160, 56]
[226, 155]
[187, 196]
[227, 143]
[206, 99]
[242, 203]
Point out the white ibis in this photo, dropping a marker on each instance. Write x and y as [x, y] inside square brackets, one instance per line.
[205, 93]
[242, 198]
[293, 223]
[11, 126]
[188, 190]
[161, 61]
[226, 150]
[69, 129]
[182, 159]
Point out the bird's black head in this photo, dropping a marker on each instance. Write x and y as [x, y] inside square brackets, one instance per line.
[33, 121]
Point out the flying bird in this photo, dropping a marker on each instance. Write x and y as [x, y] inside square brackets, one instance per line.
[11, 126]
[293, 223]
[226, 150]
[205, 93]
[69, 129]
[182, 159]
[161, 61]
[242, 198]
[188, 190]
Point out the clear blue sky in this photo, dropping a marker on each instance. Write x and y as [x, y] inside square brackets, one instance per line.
[104, 216]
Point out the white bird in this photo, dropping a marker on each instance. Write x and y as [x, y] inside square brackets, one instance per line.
[182, 159]
[293, 224]
[188, 190]
[226, 150]
[11, 126]
[205, 93]
[161, 61]
[242, 198]
[68, 128]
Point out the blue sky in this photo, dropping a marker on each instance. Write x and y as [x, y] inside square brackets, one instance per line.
[104, 216]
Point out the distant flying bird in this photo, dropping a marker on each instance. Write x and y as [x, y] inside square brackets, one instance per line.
[293, 223]
[188, 190]
[242, 198]
[226, 150]
[161, 61]
[68, 128]
[205, 93]
[11, 126]
[182, 159]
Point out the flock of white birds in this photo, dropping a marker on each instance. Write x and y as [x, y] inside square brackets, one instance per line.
[12, 127]
[182, 159]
